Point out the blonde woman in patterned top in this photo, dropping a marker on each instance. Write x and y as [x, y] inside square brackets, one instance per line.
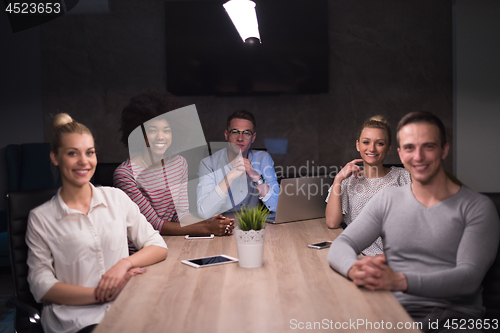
[354, 185]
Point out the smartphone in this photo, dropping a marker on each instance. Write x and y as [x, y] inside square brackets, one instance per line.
[322, 245]
[199, 237]
[209, 261]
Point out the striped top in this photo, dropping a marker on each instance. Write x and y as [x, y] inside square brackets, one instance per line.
[161, 194]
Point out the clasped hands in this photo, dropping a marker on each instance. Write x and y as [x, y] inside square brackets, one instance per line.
[242, 166]
[114, 280]
[220, 225]
[373, 274]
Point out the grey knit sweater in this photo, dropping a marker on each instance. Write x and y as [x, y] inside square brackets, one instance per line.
[444, 250]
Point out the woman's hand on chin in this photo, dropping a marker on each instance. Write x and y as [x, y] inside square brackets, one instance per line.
[350, 169]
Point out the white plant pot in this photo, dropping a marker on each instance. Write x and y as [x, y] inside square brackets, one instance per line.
[250, 246]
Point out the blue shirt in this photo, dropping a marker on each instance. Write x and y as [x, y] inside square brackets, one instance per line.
[212, 171]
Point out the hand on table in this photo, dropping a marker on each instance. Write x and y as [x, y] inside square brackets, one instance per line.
[131, 272]
[220, 225]
[373, 274]
[114, 280]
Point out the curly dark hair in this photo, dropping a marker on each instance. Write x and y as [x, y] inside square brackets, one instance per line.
[144, 107]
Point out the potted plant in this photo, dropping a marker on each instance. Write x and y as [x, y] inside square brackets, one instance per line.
[249, 234]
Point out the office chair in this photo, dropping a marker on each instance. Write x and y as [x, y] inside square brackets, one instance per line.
[20, 203]
[491, 282]
[28, 168]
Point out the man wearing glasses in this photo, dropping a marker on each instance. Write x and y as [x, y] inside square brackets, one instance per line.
[237, 176]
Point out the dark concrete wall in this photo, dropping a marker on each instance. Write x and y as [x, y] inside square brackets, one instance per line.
[477, 116]
[386, 57]
[21, 111]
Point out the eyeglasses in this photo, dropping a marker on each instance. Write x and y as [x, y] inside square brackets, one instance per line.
[234, 133]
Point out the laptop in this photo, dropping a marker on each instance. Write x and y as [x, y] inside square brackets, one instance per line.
[301, 199]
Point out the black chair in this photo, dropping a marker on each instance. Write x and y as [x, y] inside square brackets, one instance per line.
[103, 175]
[491, 282]
[20, 204]
[28, 168]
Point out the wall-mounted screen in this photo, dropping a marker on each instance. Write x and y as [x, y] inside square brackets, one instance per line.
[206, 56]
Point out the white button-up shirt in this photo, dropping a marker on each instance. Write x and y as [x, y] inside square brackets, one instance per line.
[68, 246]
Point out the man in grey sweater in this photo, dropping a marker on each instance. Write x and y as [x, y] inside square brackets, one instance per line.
[439, 238]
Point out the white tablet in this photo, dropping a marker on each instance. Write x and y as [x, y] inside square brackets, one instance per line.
[209, 261]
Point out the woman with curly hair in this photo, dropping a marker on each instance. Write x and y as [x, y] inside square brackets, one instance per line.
[153, 177]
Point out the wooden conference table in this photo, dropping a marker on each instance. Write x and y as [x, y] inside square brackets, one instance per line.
[293, 289]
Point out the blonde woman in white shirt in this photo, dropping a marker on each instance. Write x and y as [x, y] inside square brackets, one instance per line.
[78, 254]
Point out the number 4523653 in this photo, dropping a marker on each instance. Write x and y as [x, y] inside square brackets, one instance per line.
[462, 324]
[33, 8]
